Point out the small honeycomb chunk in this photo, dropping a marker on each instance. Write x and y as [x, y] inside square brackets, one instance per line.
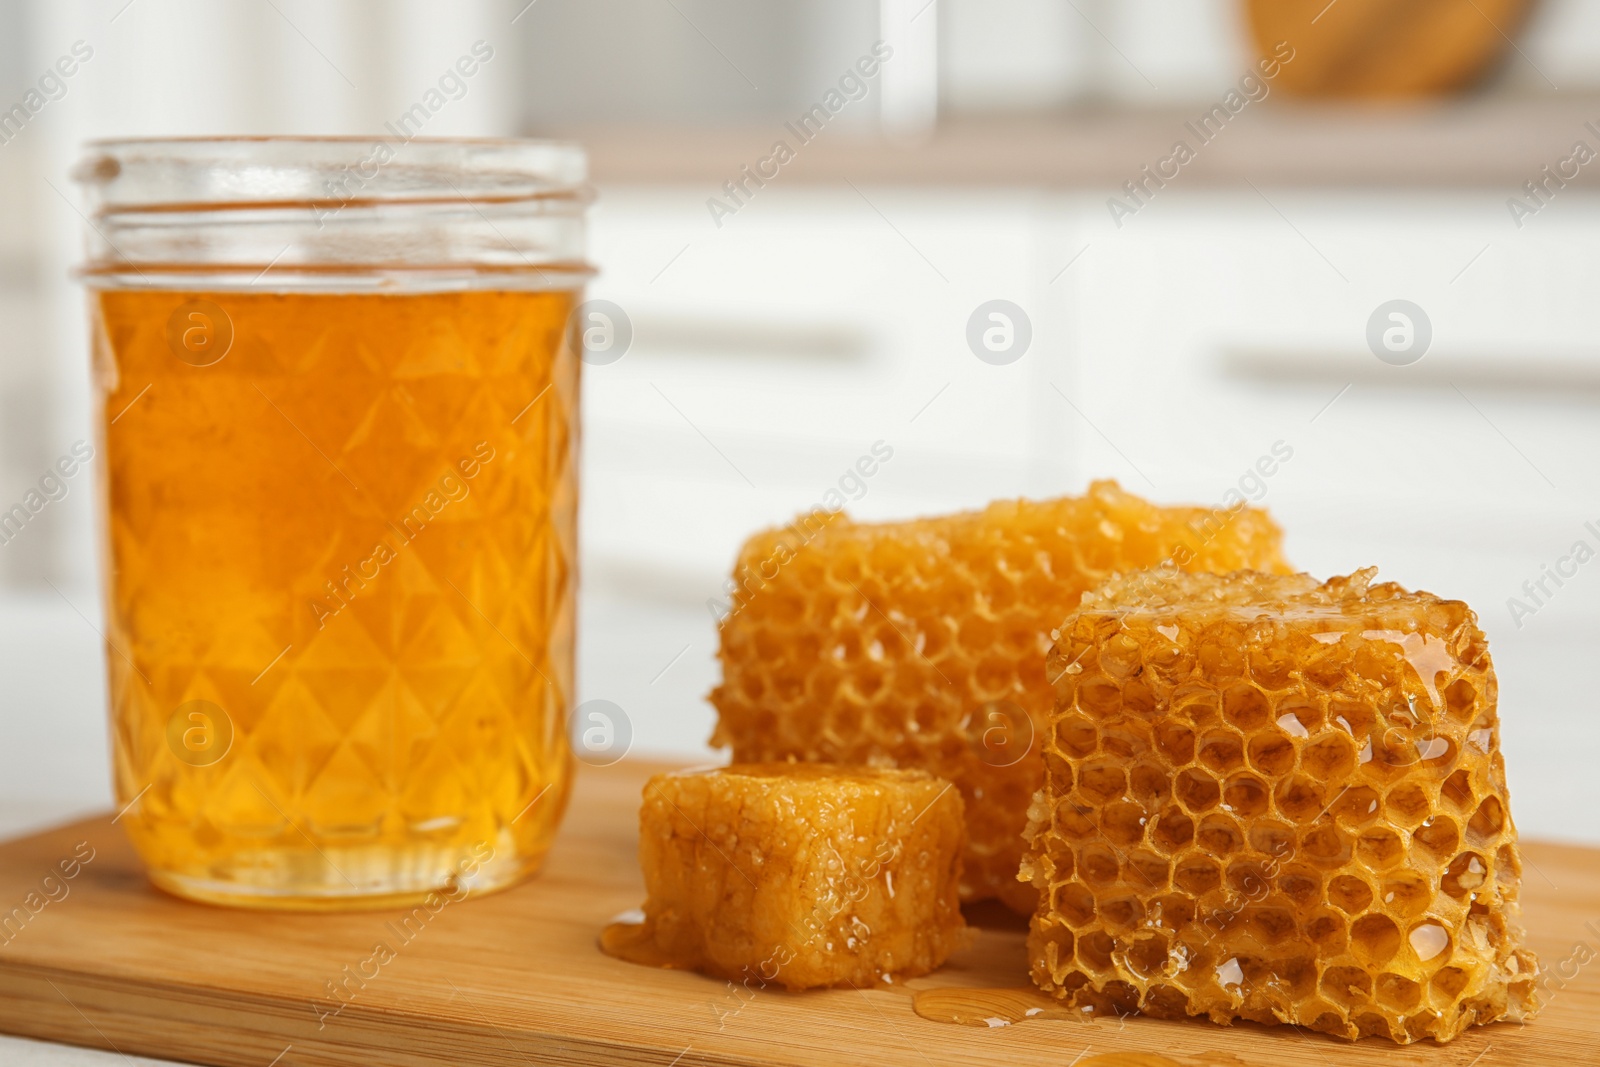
[1275, 800]
[801, 874]
[922, 644]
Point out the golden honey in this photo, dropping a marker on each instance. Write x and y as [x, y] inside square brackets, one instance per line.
[339, 561]
[797, 875]
[1280, 801]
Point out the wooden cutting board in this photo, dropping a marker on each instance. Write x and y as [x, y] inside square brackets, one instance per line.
[516, 979]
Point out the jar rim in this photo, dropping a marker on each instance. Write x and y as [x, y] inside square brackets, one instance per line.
[177, 173]
[320, 211]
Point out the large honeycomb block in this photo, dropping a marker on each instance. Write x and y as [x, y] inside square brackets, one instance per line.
[1275, 800]
[922, 644]
[801, 874]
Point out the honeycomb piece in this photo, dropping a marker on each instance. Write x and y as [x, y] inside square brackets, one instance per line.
[1275, 800]
[922, 644]
[803, 874]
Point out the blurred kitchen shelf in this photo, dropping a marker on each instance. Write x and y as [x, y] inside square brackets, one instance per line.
[1471, 143]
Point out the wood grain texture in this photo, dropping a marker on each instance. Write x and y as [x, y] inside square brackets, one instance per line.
[516, 978]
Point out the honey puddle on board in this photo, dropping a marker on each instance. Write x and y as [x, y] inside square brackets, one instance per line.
[1002, 1007]
[631, 940]
[989, 1007]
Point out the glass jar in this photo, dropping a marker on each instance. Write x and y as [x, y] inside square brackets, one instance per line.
[337, 399]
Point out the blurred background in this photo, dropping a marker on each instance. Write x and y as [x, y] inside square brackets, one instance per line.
[1179, 328]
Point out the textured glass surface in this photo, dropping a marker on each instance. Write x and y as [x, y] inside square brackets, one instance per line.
[340, 586]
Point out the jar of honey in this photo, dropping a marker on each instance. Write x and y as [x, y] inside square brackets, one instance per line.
[336, 388]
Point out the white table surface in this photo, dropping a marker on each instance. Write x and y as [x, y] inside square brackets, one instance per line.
[20, 1052]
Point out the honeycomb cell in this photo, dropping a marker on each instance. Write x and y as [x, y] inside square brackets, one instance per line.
[1122, 914]
[1357, 805]
[1337, 827]
[1219, 835]
[1098, 864]
[944, 616]
[1058, 946]
[1299, 798]
[1430, 942]
[1296, 975]
[1461, 698]
[1439, 836]
[1349, 894]
[1299, 714]
[1165, 1002]
[1375, 938]
[1223, 751]
[1102, 781]
[1121, 744]
[1199, 707]
[1457, 789]
[1152, 871]
[1094, 951]
[1272, 926]
[1466, 873]
[1117, 998]
[1398, 993]
[1357, 720]
[1136, 698]
[1100, 698]
[1248, 878]
[1379, 847]
[1246, 707]
[1328, 930]
[1326, 846]
[802, 874]
[1488, 820]
[1076, 904]
[1329, 758]
[1301, 884]
[1271, 752]
[1350, 986]
[1123, 823]
[1197, 875]
[1173, 830]
[1271, 838]
[1149, 782]
[1175, 741]
[1074, 819]
[1149, 956]
[1196, 790]
[1406, 893]
[1173, 912]
[1408, 804]
[1436, 751]
[1246, 796]
[1450, 983]
[1121, 658]
[1076, 735]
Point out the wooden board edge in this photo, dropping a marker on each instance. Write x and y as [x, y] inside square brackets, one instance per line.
[205, 1026]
